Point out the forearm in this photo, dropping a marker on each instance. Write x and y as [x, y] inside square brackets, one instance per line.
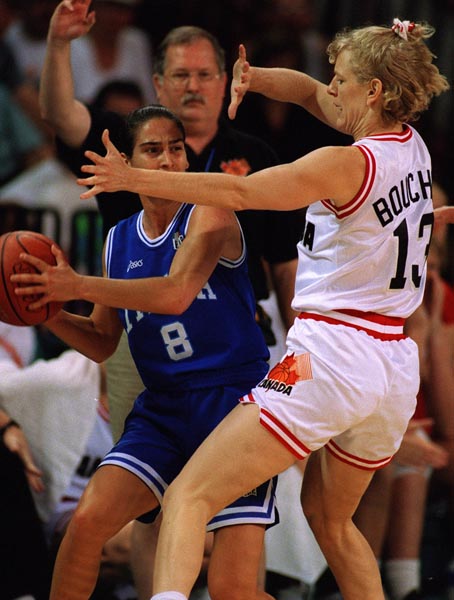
[161, 295]
[219, 190]
[69, 118]
[285, 85]
[289, 85]
[83, 334]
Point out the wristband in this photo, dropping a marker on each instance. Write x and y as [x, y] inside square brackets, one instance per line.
[11, 423]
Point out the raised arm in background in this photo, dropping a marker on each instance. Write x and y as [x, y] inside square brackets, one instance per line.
[69, 118]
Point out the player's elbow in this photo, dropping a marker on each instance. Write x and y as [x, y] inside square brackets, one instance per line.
[51, 116]
[71, 125]
[101, 354]
[178, 306]
[180, 300]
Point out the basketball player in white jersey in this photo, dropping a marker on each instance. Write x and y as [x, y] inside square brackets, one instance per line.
[347, 384]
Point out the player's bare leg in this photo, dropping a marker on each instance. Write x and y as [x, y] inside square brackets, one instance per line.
[235, 563]
[143, 551]
[239, 455]
[330, 495]
[113, 497]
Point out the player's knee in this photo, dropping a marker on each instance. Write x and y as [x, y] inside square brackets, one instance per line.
[330, 532]
[182, 498]
[87, 523]
[174, 498]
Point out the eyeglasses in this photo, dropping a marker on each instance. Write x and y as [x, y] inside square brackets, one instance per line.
[181, 78]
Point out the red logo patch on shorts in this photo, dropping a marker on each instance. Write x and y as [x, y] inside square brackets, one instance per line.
[285, 374]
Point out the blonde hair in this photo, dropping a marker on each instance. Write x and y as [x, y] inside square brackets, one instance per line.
[404, 66]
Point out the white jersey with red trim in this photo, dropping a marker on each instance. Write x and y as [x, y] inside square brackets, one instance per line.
[370, 254]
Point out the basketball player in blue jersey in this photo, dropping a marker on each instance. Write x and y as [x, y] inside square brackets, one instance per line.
[345, 390]
[177, 282]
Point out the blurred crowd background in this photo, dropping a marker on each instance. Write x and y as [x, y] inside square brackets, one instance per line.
[291, 33]
[115, 60]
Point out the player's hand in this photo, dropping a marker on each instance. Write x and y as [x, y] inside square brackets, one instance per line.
[15, 440]
[240, 81]
[56, 283]
[419, 451]
[444, 215]
[109, 173]
[70, 20]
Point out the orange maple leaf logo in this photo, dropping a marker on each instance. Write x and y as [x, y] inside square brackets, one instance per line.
[285, 371]
[236, 166]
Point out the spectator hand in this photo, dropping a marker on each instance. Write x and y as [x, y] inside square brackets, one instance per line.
[240, 81]
[15, 440]
[71, 20]
[418, 451]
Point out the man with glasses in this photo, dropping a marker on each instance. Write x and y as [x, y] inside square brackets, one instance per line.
[190, 79]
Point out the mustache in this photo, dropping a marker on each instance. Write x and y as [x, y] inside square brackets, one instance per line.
[191, 97]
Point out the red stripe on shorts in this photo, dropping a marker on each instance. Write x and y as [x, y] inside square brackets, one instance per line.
[279, 430]
[356, 461]
[378, 323]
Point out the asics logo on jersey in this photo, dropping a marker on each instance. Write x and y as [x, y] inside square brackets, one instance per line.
[133, 264]
[177, 240]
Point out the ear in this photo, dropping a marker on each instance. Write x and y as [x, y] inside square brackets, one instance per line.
[157, 82]
[375, 88]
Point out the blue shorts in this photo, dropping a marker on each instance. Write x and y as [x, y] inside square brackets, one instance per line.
[162, 432]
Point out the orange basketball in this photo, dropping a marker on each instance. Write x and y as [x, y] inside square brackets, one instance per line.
[15, 309]
[280, 372]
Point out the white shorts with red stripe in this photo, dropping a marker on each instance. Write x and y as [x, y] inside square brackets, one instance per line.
[348, 382]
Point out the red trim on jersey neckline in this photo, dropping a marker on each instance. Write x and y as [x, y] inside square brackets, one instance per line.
[364, 191]
[379, 326]
[397, 136]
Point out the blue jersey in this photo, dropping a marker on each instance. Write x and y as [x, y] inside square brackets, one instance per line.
[215, 341]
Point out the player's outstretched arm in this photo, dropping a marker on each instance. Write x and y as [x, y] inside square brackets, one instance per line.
[212, 233]
[330, 172]
[284, 85]
[68, 117]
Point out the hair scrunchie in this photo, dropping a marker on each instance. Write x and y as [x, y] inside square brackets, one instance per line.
[402, 28]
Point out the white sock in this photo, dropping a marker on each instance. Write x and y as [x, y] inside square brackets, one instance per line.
[169, 596]
[402, 576]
